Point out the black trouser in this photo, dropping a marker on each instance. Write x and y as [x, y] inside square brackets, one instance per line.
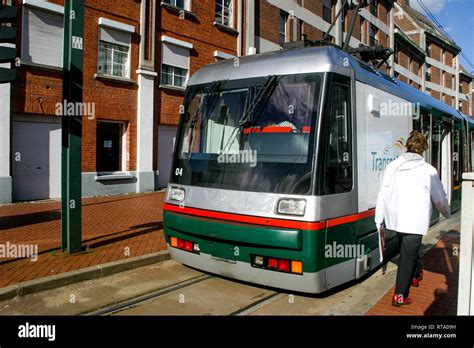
[410, 263]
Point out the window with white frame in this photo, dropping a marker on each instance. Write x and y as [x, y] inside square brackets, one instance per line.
[225, 12]
[42, 36]
[373, 7]
[327, 11]
[184, 4]
[373, 33]
[282, 27]
[114, 52]
[175, 65]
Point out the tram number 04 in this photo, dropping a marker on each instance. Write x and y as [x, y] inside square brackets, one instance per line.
[178, 172]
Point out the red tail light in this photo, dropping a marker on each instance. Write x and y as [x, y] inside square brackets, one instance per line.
[272, 263]
[188, 246]
[275, 264]
[184, 245]
[284, 265]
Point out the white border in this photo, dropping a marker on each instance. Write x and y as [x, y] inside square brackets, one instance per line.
[45, 6]
[223, 55]
[105, 22]
[176, 42]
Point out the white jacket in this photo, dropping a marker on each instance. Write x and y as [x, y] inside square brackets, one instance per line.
[409, 186]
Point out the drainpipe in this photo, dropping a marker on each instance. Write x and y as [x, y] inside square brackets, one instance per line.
[250, 27]
[239, 27]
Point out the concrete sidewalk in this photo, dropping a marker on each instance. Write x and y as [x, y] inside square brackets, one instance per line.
[114, 228]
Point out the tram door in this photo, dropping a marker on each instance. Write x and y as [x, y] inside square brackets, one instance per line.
[442, 152]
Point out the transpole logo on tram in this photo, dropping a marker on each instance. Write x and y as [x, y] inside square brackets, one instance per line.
[380, 162]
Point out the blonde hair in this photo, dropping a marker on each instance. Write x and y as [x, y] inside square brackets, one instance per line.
[416, 143]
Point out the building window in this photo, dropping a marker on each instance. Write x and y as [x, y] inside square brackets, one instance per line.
[109, 149]
[113, 59]
[373, 35]
[282, 27]
[373, 7]
[343, 19]
[361, 33]
[114, 52]
[301, 34]
[184, 4]
[224, 12]
[428, 49]
[173, 76]
[175, 65]
[396, 50]
[327, 11]
[42, 39]
[428, 74]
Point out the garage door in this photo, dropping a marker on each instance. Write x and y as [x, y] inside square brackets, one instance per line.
[166, 140]
[36, 162]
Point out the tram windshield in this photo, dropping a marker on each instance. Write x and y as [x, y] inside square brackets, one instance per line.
[251, 135]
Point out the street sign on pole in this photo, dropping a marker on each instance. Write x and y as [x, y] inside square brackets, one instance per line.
[71, 171]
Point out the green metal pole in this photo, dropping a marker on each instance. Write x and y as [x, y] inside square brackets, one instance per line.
[71, 172]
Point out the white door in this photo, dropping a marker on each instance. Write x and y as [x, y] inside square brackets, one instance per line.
[36, 160]
[166, 141]
[446, 175]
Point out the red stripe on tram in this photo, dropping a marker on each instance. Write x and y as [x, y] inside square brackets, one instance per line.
[277, 129]
[303, 225]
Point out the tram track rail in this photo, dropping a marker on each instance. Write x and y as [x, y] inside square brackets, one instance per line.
[142, 299]
[136, 301]
[252, 307]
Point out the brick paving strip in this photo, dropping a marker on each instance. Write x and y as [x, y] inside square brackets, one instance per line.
[438, 291]
[113, 224]
[437, 294]
[114, 228]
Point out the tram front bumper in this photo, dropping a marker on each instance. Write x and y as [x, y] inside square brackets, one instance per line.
[307, 282]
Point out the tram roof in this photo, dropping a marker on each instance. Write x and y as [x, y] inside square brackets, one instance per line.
[312, 60]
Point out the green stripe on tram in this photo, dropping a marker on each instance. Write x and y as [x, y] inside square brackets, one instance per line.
[311, 247]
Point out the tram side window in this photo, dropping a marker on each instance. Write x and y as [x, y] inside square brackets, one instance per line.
[417, 119]
[337, 151]
[437, 134]
[426, 129]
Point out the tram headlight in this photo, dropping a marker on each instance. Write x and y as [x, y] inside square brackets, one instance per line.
[291, 206]
[177, 194]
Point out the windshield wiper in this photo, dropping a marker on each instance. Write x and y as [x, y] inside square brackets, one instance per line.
[209, 100]
[259, 101]
[254, 106]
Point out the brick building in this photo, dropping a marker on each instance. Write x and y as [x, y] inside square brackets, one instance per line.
[274, 22]
[189, 35]
[138, 56]
[429, 60]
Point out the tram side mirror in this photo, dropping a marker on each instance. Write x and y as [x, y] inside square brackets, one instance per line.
[374, 105]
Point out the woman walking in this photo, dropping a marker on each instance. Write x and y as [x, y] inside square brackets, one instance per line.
[404, 205]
